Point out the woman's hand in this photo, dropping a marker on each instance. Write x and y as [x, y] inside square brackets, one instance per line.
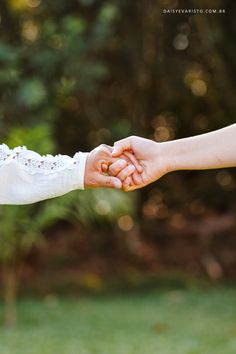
[148, 154]
[206, 151]
[98, 163]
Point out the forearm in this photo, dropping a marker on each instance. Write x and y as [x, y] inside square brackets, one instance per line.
[26, 177]
[207, 151]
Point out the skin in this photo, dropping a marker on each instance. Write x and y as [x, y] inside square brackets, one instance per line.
[98, 162]
[148, 154]
[207, 151]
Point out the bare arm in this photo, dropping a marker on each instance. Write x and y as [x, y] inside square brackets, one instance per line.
[207, 151]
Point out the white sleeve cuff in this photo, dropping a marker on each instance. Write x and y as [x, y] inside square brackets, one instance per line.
[79, 175]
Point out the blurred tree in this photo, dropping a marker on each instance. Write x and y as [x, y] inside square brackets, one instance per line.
[96, 71]
[22, 226]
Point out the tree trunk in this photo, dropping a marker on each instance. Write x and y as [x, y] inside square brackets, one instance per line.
[10, 291]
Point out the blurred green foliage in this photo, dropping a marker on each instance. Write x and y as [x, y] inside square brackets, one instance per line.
[166, 322]
[21, 225]
[83, 72]
[47, 65]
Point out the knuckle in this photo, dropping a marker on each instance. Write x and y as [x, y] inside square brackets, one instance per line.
[119, 142]
[102, 147]
[132, 138]
[105, 149]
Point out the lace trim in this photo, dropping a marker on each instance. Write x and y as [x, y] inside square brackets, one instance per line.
[35, 163]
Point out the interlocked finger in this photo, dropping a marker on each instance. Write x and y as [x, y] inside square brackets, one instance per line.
[126, 172]
[117, 167]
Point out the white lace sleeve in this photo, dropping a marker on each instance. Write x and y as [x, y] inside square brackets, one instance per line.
[27, 177]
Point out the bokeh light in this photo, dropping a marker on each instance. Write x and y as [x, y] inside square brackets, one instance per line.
[126, 222]
[181, 42]
[199, 87]
[30, 30]
[225, 180]
[33, 3]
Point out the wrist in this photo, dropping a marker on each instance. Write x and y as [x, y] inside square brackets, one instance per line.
[86, 167]
[170, 155]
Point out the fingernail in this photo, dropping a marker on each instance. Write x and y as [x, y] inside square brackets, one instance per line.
[118, 184]
[140, 169]
[132, 167]
[122, 163]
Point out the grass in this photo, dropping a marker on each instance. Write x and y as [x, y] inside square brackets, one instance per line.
[166, 322]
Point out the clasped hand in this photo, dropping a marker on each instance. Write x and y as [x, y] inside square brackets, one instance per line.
[135, 162]
[132, 163]
[104, 170]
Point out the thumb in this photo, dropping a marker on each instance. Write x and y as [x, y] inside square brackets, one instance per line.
[121, 146]
[108, 182]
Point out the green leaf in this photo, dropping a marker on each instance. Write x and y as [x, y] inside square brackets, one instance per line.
[108, 13]
[7, 53]
[74, 25]
[32, 93]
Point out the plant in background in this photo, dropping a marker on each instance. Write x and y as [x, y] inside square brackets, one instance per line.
[21, 226]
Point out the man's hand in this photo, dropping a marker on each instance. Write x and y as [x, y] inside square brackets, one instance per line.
[98, 163]
[150, 156]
